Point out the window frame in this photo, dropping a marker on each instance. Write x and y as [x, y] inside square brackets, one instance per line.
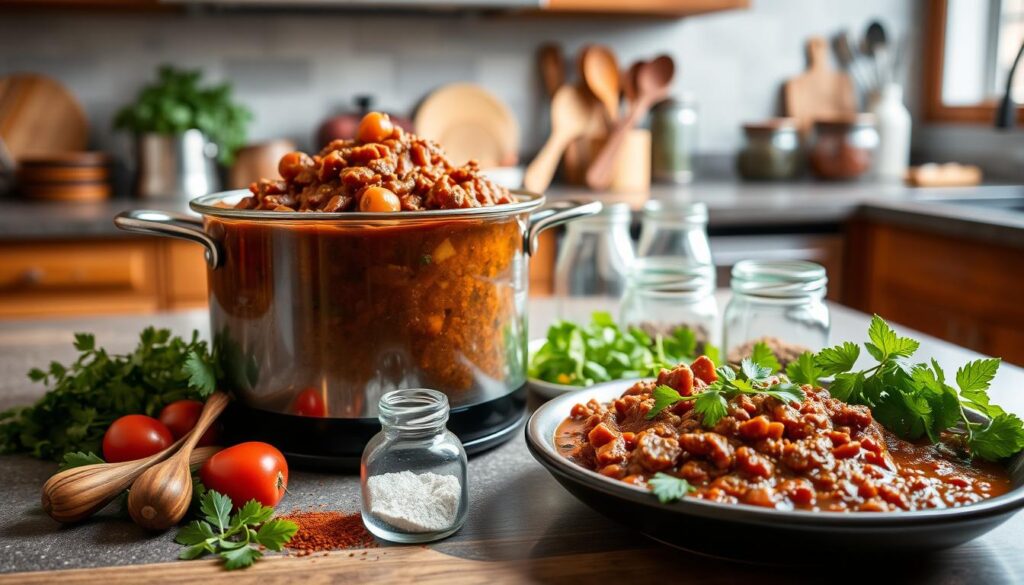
[935, 110]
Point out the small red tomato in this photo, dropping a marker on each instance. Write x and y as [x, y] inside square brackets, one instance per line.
[135, 436]
[181, 417]
[310, 402]
[247, 471]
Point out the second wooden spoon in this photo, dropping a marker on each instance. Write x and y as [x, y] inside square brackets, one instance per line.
[600, 71]
[160, 497]
[570, 116]
[652, 84]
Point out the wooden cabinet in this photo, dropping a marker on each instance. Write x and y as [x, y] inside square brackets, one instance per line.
[82, 277]
[963, 290]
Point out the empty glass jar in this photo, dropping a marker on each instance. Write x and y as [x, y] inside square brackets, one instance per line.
[596, 254]
[780, 302]
[663, 294]
[676, 229]
[413, 472]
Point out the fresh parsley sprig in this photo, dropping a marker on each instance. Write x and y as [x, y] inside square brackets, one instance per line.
[669, 488]
[756, 376]
[85, 396]
[914, 400]
[235, 538]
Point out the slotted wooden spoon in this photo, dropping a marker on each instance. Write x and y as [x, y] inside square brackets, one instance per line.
[160, 497]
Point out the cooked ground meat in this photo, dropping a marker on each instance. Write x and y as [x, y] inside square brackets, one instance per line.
[822, 454]
[413, 170]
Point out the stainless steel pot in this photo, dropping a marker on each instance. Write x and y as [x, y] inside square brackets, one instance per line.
[315, 315]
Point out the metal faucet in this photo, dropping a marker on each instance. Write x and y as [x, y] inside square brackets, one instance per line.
[1006, 113]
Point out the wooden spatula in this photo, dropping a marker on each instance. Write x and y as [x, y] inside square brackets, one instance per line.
[821, 92]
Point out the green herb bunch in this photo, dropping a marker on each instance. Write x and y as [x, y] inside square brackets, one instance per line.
[757, 375]
[176, 102]
[236, 538]
[86, 396]
[601, 351]
[914, 400]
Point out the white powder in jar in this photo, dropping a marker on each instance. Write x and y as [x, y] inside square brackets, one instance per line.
[415, 502]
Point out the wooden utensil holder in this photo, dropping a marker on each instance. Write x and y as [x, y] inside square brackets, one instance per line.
[632, 166]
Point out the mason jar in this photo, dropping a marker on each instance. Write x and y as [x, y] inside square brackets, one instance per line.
[596, 255]
[663, 294]
[674, 139]
[673, 228]
[780, 303]
[414, 471]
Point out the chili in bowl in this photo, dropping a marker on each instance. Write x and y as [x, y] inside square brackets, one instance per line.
[805, 468]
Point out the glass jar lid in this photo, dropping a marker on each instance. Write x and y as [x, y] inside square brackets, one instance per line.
[676, 210]
[778, 278]
[669, 277]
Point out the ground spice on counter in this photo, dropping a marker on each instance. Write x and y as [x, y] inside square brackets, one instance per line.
[327, 530]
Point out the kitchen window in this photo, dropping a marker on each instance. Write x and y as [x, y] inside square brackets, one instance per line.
[970, 49]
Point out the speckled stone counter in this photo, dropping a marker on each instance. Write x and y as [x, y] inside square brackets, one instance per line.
[519, 518]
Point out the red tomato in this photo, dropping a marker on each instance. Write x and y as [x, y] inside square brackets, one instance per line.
[247, 471]
[181, 416]
[309, 402]
[135, 436]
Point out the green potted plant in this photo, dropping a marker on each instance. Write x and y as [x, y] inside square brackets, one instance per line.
[181, 131]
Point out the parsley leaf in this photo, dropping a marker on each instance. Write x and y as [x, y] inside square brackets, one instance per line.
[236, 542]
[785, 392]
[201, 375]
[711, 405]
[1001, 437]
[664, 396]
[763, 356]
[79, 459]
[885, 344]
[833, 360]
[669, 488]
[804, 370]
[754, 371]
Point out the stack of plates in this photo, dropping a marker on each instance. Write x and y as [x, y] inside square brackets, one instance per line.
[69, 176]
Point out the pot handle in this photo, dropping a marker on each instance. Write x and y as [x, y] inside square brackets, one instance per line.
[559, 213]
[173, 225]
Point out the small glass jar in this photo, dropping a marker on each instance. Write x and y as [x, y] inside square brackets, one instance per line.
[413, 472]
[780, 302]
[678, 229]
[596, 255]
[772, 151]
[674, 139]
[844, 149]
[663, 294]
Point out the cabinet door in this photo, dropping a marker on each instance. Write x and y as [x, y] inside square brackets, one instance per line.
[184, 275]
[961, 290]
[71, 278]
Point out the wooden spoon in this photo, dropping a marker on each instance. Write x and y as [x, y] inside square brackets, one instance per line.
[77, 493]
[600, 72]
[160, 497]
[629, 83]
[551, 62]
[652, 85]
[570, 115]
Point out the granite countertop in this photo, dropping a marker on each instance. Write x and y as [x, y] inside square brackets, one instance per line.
[731, 204]
[522, 526]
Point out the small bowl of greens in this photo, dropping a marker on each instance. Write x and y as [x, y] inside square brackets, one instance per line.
[575, 356]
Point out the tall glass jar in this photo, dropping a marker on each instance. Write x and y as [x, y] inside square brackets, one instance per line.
[596, 254]
[778, 302]
[677, 229]
[663, 294]
[413, 472]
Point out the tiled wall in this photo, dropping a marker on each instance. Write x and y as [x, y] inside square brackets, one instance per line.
[294, 69]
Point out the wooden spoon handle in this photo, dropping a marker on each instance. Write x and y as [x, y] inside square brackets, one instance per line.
[602, 169]
[542, 167]
[215, 405]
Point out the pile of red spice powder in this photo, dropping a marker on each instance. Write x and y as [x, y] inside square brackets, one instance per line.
[327, 530]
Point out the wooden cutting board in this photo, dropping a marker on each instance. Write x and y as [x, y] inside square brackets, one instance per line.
[821, 92]
[39, 117]
[469, 123]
